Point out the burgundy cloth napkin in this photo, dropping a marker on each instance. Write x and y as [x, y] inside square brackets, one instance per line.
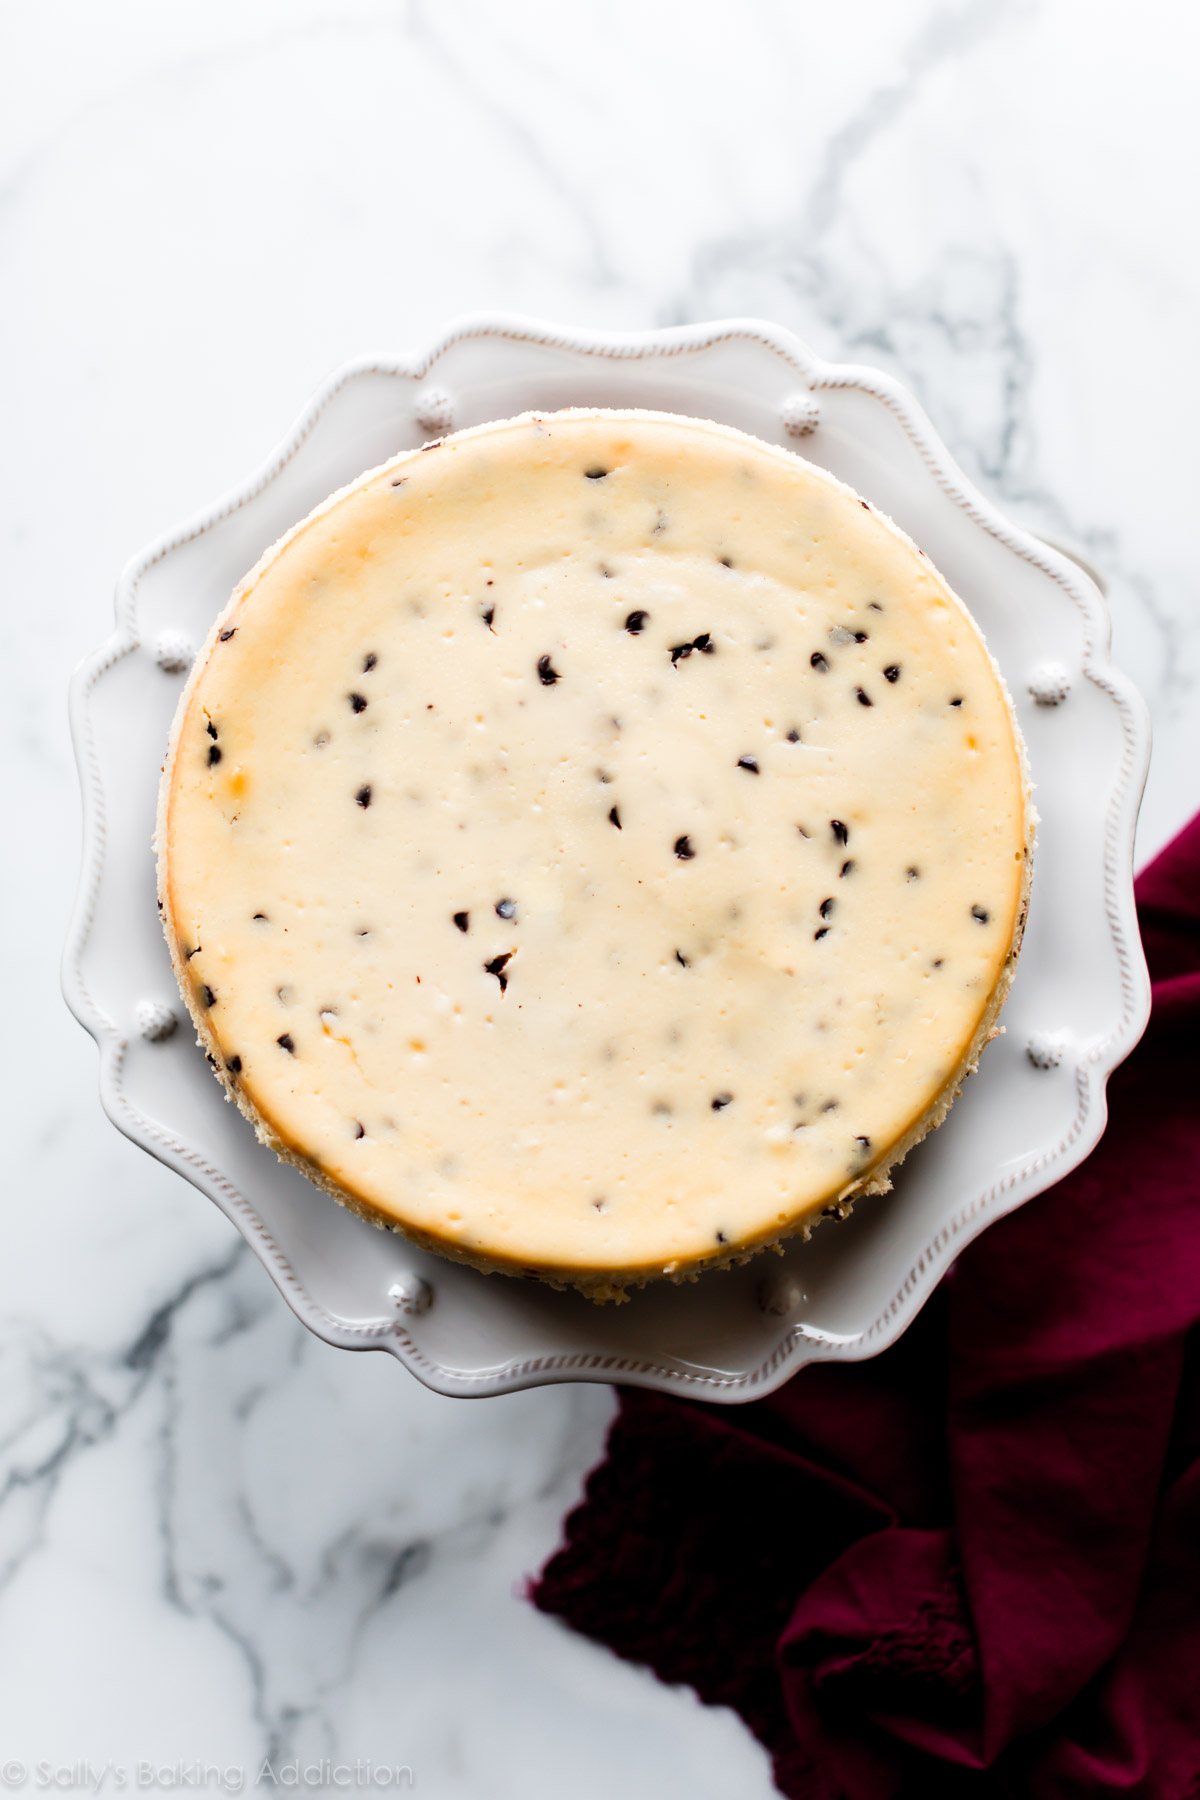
[971, 1566]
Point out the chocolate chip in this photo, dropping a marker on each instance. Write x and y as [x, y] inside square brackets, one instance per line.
[702, 642]
[210, 999]
[978, 913]
[363, 796]
[214, 755]
[496, 968]
[286, 1042]
[369, 661]
[864, 699]
[841, 832]
[462, 920]
[227, 633]
[614, 817]
[357, 703]
[682, 960]
[360, 1130]
[636, 622]
[826, 908]
[234, 1065]
[211, 729]
[684, 848]
[793, 736]
[846, 869]
[596, 474]
[892, 672]
[547, 671]
[506, 909]
[819, 662]
[818, 935]
[721, 1101]
[748, 762]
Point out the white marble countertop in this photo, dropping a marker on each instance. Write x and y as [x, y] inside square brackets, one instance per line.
[221, 1541]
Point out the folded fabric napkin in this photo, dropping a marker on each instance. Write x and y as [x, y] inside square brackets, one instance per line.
[970, 1566]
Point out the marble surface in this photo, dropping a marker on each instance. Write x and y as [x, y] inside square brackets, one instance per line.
[222, 1542]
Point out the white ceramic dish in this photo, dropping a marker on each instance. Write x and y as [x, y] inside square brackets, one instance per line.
[1034, 1110]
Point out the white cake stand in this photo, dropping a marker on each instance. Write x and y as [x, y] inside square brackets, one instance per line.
[1034, 1110]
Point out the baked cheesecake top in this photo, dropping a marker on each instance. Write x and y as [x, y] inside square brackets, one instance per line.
[594, 844]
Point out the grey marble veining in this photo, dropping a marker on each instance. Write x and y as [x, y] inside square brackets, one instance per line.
[219, 1539]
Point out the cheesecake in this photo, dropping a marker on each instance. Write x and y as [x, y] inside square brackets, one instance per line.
[595, 846]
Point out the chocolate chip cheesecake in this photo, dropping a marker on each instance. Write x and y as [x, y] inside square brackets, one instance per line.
[595, 846]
